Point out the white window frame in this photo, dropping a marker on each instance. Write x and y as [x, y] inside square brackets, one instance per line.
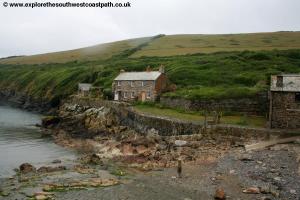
[131, 84]
[132, 94]
[125, 95]
[119, 83]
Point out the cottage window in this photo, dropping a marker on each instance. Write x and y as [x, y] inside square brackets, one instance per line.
[148, 95]
[119, 83]
[143, 83]
[297, 97]
[279, 82]
[131, 84]
[132, 94]
[125, 95]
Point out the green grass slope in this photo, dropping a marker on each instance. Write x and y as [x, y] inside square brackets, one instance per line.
[172, 45]
[198, 76]
[98, 52]
[191, 44]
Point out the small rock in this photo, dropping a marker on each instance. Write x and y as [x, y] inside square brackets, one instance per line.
[274, 192]
[273, 170]
[50, 121]
[292, 191]
[265, 198]
[41, 197]
[127, 149]
[246, 157]
[141, 149]
[252, 190]
[220, 194]
[4, 193]
[26, 168]
[46, 169]
[277, 178]
[95, 159]
[180, 143]
[56, 161]
[264, 189]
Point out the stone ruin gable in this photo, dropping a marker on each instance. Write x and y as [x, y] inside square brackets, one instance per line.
[285, 111]
[285, 101]
[285, 82]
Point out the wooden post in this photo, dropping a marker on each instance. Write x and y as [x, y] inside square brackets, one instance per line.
[205, 121]
[179, 168]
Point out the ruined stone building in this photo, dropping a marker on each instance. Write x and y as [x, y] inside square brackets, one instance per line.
[285, 101]
[142, 86]
[88, 90]
[84, 89]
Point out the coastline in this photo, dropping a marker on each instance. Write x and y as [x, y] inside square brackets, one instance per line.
[119, 162]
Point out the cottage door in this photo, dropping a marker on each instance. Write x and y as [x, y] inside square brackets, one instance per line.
[116, 96]
[143, 96]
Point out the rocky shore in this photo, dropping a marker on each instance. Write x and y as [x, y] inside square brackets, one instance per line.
[23, 101]
[118, 162]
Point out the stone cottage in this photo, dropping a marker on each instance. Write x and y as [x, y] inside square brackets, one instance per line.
[285, 101]
[142, 86]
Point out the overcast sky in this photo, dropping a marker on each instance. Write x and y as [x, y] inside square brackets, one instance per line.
[26, 31]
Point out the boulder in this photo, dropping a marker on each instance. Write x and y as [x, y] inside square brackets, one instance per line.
[180, 143]
[246, 158]
[141, 149]
[41, 197]
[46, 169]
[27, 168]
[252, 190]
[220, 194]
[56, 161]
[127, 149]
[93, 159]
[50, 121]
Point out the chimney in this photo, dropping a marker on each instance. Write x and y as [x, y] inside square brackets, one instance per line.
[148, 69]
[162, 69]
[122, 71]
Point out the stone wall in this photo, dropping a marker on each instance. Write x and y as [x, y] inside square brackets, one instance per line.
[147, 124]
[257, 105]
[285, 110]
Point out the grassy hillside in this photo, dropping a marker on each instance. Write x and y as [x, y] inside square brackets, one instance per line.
[102, 51]
[191, 44]
[172, 45]
[198, 76]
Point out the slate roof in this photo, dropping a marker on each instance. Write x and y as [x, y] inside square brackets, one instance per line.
[138, 76]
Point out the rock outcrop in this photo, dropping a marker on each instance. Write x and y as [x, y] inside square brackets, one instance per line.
[27, 168]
